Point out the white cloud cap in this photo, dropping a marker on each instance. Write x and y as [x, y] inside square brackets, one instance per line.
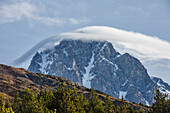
[152, 51]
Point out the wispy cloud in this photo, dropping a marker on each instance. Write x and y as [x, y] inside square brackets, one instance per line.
[50, 21]
[19, 10]
[78, 21]
[16, 11]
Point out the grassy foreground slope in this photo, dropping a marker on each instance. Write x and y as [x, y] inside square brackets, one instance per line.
[13, 80]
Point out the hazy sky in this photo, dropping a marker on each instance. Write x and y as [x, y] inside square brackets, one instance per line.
[24, 23]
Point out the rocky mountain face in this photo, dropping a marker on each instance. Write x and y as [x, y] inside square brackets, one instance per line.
[13, 80]
[163, 86]
[97, 64]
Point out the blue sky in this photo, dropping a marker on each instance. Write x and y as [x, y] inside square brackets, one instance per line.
[24, 23]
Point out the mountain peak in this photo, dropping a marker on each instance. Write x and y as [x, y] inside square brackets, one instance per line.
[97, 64]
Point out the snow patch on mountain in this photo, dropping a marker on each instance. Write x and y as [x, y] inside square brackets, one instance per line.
[26, 76]
[87, 76]
[65, 52]
[68, 68]
[116, 68]
[122, 93]
[44, 63]
[103, 58]
[163, 90]
[147, 103]
[125, 82]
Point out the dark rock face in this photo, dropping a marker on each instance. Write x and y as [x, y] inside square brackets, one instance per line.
[97, 64]
[34, 66]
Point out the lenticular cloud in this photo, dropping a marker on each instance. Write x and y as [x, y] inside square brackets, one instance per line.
[142, 46]
[150, 50]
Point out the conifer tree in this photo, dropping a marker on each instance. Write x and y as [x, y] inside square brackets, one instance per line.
[160, 105]
[81, 103]
[7, 104]
[30, 103]
[95, 105]
[2, 106]
[17, 103]
[109, 107]
[64, 100]
[46, 99]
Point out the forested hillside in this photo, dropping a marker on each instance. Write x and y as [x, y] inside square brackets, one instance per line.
[26, 92]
